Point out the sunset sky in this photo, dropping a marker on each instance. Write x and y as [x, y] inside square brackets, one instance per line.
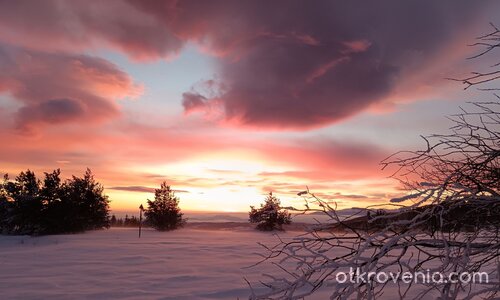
[228, 100]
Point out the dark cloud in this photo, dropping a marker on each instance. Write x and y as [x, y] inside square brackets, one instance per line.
[134, 188]
[193, 102]
[281, 64]
[298, 64]
[350, 196]
[51, 111]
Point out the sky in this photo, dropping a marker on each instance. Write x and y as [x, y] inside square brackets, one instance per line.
[229, 100]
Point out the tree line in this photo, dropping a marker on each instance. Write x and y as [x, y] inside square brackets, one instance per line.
[32, 206]
[51, 205]
[131, 221]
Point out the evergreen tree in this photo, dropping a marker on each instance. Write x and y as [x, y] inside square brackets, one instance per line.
[5, 206]
[86, 206]
[51, 188]
[270, 215]
[27, 209]
[113, 221]
[164, 213]
[28, 206]
[54, 212]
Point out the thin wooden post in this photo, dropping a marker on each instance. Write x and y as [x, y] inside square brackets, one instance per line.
[141, 208]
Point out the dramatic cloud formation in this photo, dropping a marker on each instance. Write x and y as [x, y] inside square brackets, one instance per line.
[282, 64]
[297, 65]
[57, 88]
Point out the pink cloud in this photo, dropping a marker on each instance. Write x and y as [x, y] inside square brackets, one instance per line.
[81, 25]
[319, 159]
[61, 88]
[109, 149]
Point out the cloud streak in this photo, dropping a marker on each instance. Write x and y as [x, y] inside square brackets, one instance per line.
[140, 189]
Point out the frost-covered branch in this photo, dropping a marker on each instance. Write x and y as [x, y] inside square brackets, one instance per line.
[447, 223]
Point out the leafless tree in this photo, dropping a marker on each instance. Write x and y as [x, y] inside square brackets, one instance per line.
[488, 43]
[447, 222]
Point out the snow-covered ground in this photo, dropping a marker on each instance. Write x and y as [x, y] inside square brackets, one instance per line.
[190, 263]
[202, 261]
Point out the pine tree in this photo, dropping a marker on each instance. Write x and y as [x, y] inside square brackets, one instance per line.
[113, 221]
[270, 215]
[5, 206]
[86, 206]
[164, 213]
[26, 214]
